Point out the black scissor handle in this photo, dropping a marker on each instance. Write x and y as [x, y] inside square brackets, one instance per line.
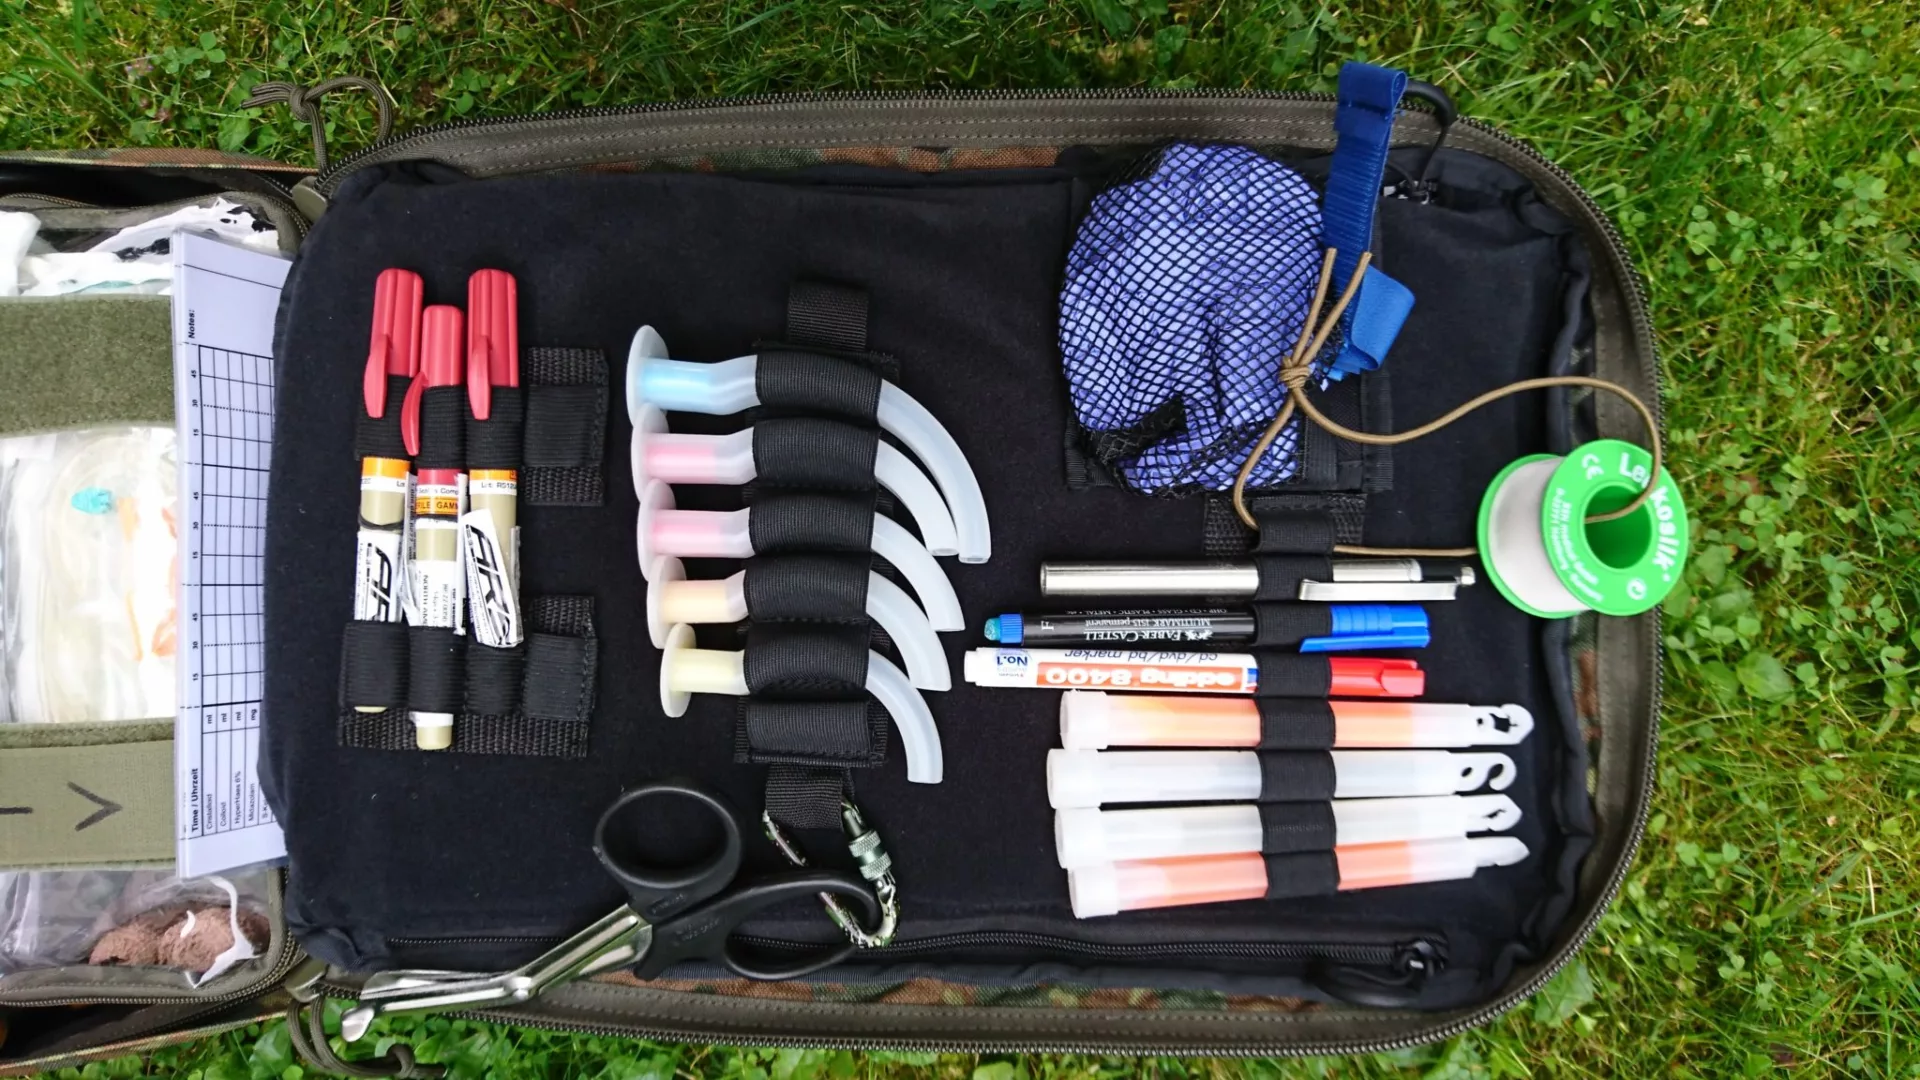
[702, 934]
[660, 892]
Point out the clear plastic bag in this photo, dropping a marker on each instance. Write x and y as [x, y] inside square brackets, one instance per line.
[88, 574]
[58, 919]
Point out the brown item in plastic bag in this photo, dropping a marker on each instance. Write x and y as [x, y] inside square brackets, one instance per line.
[188, 940]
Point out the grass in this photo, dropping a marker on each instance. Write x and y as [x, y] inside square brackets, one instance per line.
[1762, 161]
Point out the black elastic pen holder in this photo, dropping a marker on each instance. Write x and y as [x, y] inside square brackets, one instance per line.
[1284, 624]
[1293, 675]
[380, 437]
[1281, 575]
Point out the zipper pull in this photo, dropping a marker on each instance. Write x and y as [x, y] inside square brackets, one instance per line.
[1415, 963]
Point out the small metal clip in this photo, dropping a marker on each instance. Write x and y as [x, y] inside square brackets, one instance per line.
[873, 863]
[1383, 590]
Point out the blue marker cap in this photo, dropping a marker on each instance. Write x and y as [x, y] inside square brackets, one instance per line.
[1373, 626]
[1006, 629]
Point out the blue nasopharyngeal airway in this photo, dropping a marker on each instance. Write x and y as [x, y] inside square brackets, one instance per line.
[1191, 283]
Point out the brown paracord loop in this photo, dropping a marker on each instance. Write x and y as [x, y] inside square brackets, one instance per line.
[1298, 370]
[304, 103]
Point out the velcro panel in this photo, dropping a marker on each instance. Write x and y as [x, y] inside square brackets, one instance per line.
[1296, 776]
[1291, 827]
[782, 522]
[563, 654]
[373, 665]
[1295, 724]
[436, 675]
[788, 660]
[495, 443]
[1293, 675]
[564, 446]
[810, 588]
[443, 428]
[1280, 624]
[381, 438]
[808, 452]
[813, 383]
[1309, 873]
[1281, 575]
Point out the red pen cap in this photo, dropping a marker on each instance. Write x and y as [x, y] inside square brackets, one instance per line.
[395, 348]
[1360, 676]
[442, 327]
[493, 337]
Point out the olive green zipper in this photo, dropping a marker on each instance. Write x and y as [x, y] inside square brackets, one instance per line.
[315, 191]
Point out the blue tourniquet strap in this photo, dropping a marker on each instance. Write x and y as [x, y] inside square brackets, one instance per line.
[1368, 98]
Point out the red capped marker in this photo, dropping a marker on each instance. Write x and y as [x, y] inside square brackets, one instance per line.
[438, 501]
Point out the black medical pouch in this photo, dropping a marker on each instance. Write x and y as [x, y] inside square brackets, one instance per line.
[951, 217]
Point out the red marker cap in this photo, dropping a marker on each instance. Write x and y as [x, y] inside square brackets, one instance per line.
[1359, 676]
[442, 327]
[395, 349]
[493, 337]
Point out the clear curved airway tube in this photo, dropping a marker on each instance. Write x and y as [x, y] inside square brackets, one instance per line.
[672, 599]
[685, 670]
[728, 387]
[659, 454]
[725, 534]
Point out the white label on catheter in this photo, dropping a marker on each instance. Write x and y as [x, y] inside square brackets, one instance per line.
[409, 598]
[439, 585]
[496, 604]
[379, 581]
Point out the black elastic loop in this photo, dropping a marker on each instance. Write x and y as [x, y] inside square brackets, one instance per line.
[792, 660]
[436, 676]
[495, 443]
[564, 441]
[373, 665]
[443, 428]
[1289, 827]
[1299, 776]
[1281, 575]
[1310, 873]
[1295, 724]
[808, 452]
[829, 733]
[494, 678]
[1283, 624]
[830, 588]
[813, 383]
[559, 676]
[381, 438]
[565, 426]
[1292, 675]
[783, 522]
[1294, 531]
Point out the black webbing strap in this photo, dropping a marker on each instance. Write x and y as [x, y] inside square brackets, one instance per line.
[1295, 724]
[381, 438]
[564, 445]
[808, 452]
[533, 700]
[806, 796]
[792, 521]
[1292, 675]
[1376, 414]
[811, 662]
[1297, 776]
[1284, 624]
[1290, 827]
[443, 428]
[436, 669]
[1281, 575]
[805, 382]
[827, 315]
[1295, 531]
[373, 664]
[807, 588]
[495, 443]
[1307, 873]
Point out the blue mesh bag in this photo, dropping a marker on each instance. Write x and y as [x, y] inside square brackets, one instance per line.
[1184, 291]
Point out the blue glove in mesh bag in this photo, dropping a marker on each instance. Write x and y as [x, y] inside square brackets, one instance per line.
[1185, 290]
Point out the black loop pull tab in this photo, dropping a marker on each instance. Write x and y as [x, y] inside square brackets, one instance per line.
[304, 103]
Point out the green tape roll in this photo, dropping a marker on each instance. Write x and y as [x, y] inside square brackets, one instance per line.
[1549, 561]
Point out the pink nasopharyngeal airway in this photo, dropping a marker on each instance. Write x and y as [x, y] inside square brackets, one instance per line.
[694, 534]
[683, 459]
